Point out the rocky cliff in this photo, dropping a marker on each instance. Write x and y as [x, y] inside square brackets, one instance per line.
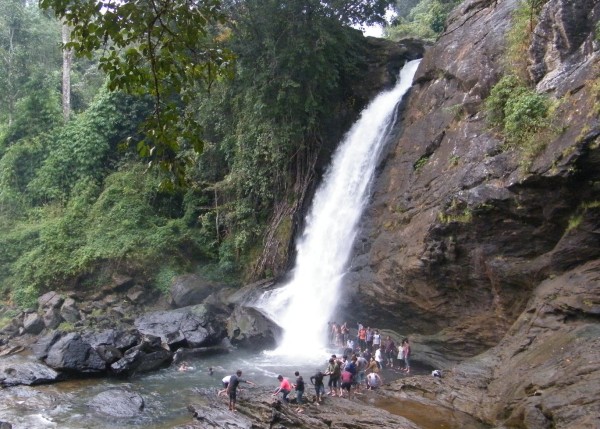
[479, 256]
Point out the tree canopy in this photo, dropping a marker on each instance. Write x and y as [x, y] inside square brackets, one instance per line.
[164, 48]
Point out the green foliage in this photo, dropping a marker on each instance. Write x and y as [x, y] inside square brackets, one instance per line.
[521, 114]
[426, 20]
[266, 127]
[525, 115]
[37, 112]
[87, 146]
[164, 49]
[524, 20]
[164, 279]
[421, 162]
[29, 50]
[495, 103]
[74, 205]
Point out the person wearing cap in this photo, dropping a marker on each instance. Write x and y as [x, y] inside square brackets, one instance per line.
[284, 387]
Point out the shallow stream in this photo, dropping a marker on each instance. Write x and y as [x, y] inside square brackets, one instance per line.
[167, 392]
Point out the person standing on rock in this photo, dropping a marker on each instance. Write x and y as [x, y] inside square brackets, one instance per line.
[406, 354]
[362, 338]
[234, 382]
[299, 386]
[379, 357]
[373, 366]
[334, 372]
[390, 351]
[317, 381]
[284, 388]
[376, 339]
[369, 339]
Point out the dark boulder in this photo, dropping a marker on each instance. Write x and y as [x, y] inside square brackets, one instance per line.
[50, 300]
[136, 360]
[191, 289]
[73, 354]
[69, 311]
[52, 318]
[185, 354]
[117, 403]
[33, 324]
[42, 345]
[5, 425]
[109, 354]
[27, 373]
[194, 326]
[249, 328]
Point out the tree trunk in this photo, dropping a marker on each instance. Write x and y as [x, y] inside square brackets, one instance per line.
[66, 73]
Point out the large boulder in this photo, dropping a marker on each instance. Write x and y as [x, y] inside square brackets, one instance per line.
[117, 403]
[52, 317]
[33, 324]
[42, 345]
[193, 326]
[191, 289]
[28, 373]
[147, 356]
[69, 311]
[71, 353]
[50, 300]
[249, 328]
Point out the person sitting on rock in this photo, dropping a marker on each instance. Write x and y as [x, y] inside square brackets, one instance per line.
[284, 387]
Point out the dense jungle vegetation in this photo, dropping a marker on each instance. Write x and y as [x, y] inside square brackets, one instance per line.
[167, 139]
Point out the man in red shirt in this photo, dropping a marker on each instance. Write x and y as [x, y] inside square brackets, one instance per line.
[284, 387]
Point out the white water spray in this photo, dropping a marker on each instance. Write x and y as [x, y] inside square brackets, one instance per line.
[305, 305]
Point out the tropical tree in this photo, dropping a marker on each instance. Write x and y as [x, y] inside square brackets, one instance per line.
[164, 48]
[28, 44]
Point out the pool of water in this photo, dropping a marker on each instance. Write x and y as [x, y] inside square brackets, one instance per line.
[167, 392]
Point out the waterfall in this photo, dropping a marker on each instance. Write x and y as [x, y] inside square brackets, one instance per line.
[305, 305]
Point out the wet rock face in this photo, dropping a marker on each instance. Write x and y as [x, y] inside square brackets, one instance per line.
[249, 328]
[191, 289]
[459, 238]
[564, 38]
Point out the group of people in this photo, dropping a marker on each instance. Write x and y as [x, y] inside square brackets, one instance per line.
[370, 343]
[359, 367]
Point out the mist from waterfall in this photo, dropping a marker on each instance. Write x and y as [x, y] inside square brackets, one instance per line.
[303, 306]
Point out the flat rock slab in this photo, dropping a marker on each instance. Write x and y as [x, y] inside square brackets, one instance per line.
[27, 373]
[117, 403]
[259, 408]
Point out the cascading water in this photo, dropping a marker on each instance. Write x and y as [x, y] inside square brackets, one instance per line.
[305, 305]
